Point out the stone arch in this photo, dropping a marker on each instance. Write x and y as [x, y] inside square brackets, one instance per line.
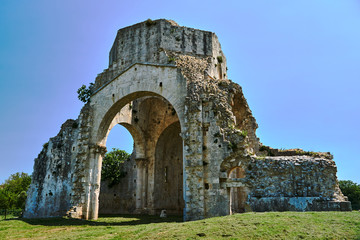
[137, 81]
[107, 121]
[123, 117]
[106, 104]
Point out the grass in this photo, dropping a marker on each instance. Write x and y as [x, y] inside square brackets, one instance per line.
[269, 225]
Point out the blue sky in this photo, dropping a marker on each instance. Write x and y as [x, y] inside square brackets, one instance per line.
[297, 61]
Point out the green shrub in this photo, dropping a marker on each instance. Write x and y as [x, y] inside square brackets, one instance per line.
[352, 191]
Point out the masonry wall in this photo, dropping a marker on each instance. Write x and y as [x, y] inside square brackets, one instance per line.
[51, 188]
[290, 183]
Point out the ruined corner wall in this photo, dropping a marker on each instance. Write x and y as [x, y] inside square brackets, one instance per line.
[219, 126]
[58, 176]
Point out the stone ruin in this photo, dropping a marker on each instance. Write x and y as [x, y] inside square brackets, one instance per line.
[196, 152]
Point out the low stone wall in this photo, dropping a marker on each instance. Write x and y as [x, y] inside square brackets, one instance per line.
[296, 204]
[293, 183]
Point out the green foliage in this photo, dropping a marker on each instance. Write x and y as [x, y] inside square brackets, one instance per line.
[171, 59]
[7, 198]
[45, 145]
[75, 125]
[220, 59]
[244, 133]
[352, 191]
[233, 146]
[13, 191]
[84, 93]
[113, 167]
[150, 22]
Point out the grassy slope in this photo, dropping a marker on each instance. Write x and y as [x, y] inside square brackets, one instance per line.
[270, 225]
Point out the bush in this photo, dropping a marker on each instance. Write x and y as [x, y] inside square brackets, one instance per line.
[352, 191]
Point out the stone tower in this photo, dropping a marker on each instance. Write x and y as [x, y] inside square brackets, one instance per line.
[195, 147]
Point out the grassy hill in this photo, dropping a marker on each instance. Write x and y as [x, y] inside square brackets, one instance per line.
[269, 225]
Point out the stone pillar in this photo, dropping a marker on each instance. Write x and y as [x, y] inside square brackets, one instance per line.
[141, 184]
[97, 153]
[193, 165]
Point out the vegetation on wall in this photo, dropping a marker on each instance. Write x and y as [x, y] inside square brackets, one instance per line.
[113, 167]
[352, 191]
[84, 93]
[13, 191]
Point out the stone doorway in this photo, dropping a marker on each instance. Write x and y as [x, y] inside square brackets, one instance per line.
[238, 195]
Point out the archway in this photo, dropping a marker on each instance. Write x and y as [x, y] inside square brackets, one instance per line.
[151, 120]
[169, 171]
[119, 198]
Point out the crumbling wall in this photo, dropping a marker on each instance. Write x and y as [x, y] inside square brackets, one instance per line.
[212, 134]
[59, 170]
[51, 187]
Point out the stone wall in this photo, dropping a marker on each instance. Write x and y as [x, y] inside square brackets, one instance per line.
[120, 198]
[51, 188]
[289, 183]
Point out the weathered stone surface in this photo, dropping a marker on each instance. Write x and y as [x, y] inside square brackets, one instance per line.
[196, 151]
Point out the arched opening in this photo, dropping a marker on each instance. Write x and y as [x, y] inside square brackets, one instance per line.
[169, 171]
[155, 128]
[121, 138]
[119, 198]
[238, 193]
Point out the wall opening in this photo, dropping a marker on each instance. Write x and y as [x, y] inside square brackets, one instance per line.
[119, 198]
[169, 171]
[238, 195]
[154, 180]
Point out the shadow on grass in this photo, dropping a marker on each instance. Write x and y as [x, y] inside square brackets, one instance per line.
[104, 220]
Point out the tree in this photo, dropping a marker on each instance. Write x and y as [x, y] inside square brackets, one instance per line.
[7, 199]
[352, 191]
[13, 191]
[113, 166]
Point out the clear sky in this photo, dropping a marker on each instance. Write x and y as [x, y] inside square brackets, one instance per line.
[297, 61]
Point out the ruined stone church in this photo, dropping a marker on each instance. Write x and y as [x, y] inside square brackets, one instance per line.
[196, 152]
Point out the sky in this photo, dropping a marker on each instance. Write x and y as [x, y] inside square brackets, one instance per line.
[297, 62]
